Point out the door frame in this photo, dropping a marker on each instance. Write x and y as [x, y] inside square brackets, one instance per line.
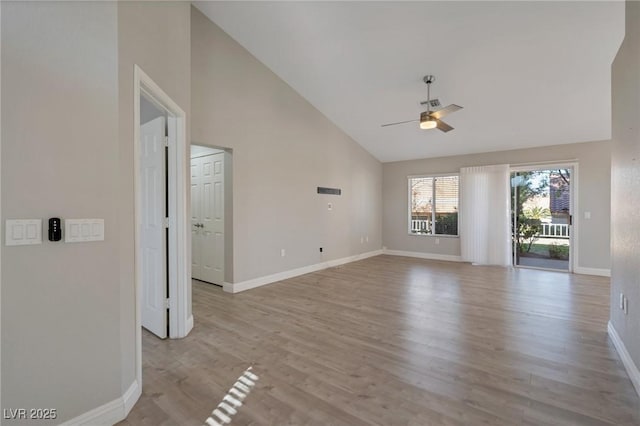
[574, 231]
[224, 154]
[180, 317]
[227, 285]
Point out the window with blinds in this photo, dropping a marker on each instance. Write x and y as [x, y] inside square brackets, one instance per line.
[433, 205]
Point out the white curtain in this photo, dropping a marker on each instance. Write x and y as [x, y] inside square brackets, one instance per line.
[485, 223]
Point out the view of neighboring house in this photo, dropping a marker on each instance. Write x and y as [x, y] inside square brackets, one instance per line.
[552, 204]
[559, 196]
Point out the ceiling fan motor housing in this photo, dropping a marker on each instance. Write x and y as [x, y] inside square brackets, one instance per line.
[427, 121]
[425, 116]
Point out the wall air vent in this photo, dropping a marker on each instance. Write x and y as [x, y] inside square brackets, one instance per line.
[330, 191]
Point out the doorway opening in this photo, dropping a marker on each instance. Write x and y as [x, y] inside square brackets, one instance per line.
[542, 215]
[162, 275]
[211, 215]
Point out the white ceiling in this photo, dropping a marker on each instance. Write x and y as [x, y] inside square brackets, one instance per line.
[527, 73]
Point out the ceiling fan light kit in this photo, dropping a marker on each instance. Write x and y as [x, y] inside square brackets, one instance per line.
[427, 122]
[431, 119]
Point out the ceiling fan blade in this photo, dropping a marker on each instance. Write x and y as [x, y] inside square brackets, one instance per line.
[445, 111]
[399, 122]
[443, 126]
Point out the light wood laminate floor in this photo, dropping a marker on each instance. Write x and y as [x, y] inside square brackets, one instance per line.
[397, 341]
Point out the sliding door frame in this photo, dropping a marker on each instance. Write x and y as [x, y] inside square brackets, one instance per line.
[574, 229]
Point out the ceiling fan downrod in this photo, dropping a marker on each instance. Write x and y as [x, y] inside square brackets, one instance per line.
[428, 79]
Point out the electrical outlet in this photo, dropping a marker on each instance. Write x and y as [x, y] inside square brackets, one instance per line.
[283, 253]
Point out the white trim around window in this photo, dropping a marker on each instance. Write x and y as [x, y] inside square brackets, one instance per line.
[410, 220]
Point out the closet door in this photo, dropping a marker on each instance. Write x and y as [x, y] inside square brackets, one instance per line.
[207, 222]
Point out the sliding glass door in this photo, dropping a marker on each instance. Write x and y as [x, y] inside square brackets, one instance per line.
[542, 218]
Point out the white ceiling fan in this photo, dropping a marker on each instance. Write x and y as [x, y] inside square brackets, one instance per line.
[431, 119]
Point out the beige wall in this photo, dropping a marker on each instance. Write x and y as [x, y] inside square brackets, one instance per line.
[68, 313]
[625, 185]
[283, 148]
[593, 196]
[156, 37]
[60, 302]
[67, 75]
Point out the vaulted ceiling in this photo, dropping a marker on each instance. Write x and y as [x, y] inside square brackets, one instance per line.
[527, 73]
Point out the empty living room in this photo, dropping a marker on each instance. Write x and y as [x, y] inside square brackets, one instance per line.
[319, 213]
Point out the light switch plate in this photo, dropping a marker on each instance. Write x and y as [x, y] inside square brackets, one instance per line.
[21, 232]
[83, 230]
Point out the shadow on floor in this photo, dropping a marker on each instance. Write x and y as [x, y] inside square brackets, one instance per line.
[537, 262]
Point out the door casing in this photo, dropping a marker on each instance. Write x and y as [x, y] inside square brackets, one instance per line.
[179, 277]
[575, 228]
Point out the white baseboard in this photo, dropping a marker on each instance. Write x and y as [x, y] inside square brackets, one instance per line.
[355, 258]
[268, 279]
[420, 255]
[629, 365]
[592, 271]
[189, 325]
[132, 394]
[110, 413]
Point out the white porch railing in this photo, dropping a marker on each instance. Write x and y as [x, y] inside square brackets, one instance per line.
[548, 230]
[420, 226]
[554, 230]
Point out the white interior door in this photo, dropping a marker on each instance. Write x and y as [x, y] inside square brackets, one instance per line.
[207, 195]
[153, 235]
[196, 213]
